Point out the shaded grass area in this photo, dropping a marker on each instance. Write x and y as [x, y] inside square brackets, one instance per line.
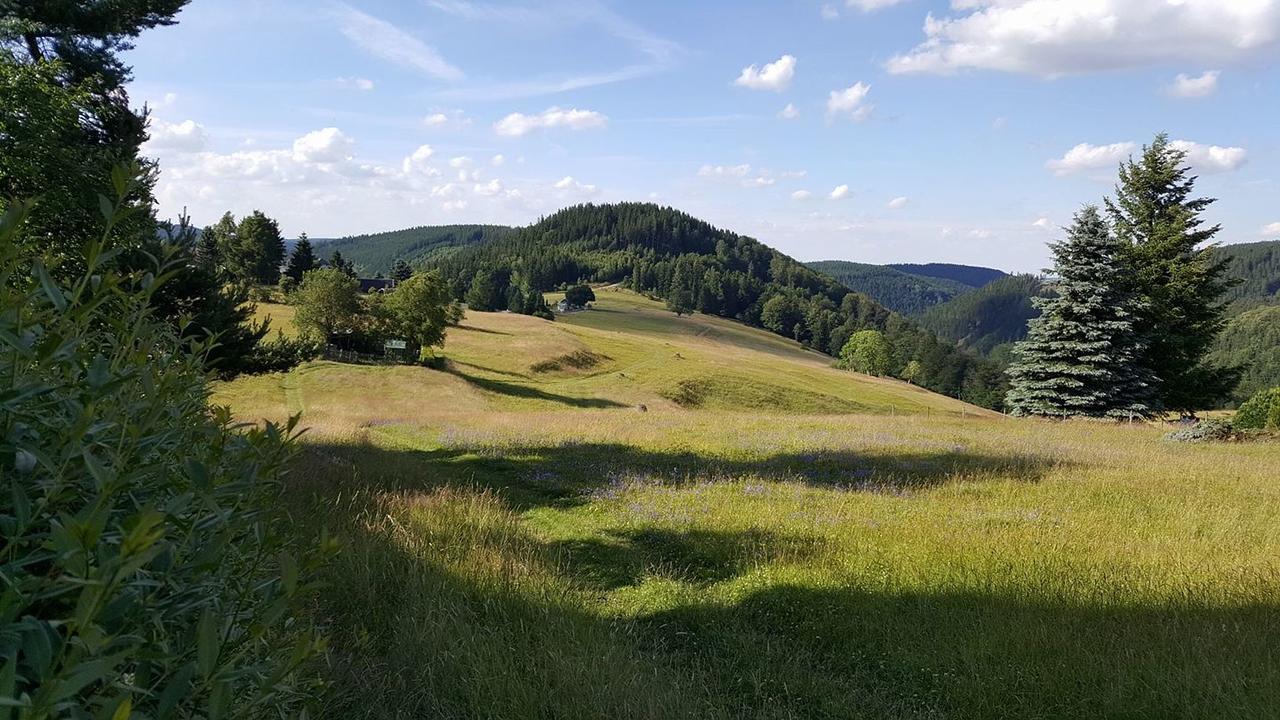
[503, 580]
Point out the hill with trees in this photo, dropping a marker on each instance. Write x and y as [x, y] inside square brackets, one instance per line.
[896, 289]
[376, 253]
[969, 275]
[1251, 341]
[695, 267]
[1257, 265]
[993, 315]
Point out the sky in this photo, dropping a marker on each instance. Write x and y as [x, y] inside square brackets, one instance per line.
[878, 131]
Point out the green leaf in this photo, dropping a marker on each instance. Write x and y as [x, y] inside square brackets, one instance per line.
[50, 288]
[207, 642]
[124, 709]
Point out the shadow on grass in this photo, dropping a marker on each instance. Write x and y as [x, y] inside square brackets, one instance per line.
[480, 618]
[567, 475]
[486, 331]
[519, 390]
[481, 368]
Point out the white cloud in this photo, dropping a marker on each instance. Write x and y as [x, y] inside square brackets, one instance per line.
[567, 183]
[1042, 223]
[462, 161]
[384, 40]
[186, 136]
[840, 192]
[789, 112]
[417, 162]
[801, 195]
[1091, 157]
[1204, 85]
[1051, 38]
[871, 5]
[898, 203]
[829, 12]
[850, 102]
[452, 119]
[759, 181]
[489, 189]
[775, 76]
[356, 83]
[979, 234]
[737, 171]
[1272, 230]
[518, 124]
[1211, 158]
[1201, 158]
[327, 146]
[497, 160]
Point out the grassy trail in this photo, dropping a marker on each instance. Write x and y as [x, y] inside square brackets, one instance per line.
[526, 543]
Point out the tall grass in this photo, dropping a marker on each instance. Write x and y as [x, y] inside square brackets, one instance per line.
[517, 555]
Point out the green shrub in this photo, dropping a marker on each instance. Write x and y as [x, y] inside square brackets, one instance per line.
[1211, 430]
[281, 354]
[1262, 411]
[144, 571]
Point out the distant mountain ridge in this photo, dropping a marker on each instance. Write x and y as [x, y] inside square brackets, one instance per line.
[906, 288]
[375, 253]
[974, 276]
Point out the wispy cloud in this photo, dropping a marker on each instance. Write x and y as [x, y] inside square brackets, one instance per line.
[384, 40]
[659, 53]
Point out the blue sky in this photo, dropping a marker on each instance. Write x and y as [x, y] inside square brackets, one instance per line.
[870, 130]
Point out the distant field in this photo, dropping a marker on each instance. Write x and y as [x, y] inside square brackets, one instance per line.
[771, 538]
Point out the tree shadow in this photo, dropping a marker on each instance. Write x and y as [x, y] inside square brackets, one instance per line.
[482, 368]
[565, 475]
[486, 331]
[519, 390]
[417, 635]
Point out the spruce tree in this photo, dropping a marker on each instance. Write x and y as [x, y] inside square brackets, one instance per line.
[1083, 354]
[1180, 280]
[401, 270]
[302, 259]
[262, 246]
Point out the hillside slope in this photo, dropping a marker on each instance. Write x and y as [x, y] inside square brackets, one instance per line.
[1257, 265]
[993, 315]
[626, 352]
[695, 266]
[377, 252]
[899, 291]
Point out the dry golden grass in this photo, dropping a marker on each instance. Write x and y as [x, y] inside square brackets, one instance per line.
[524, 544]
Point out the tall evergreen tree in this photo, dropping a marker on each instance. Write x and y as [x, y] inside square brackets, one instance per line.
[337, 262]
[401, 270]
[1158, 221]
[1083, 354]
[263, 247]
[302, 260]
[680, 299]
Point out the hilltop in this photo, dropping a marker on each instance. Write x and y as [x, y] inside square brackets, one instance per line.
[900, 290]
[375, 253]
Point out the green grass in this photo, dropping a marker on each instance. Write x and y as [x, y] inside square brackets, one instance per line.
[526, 543]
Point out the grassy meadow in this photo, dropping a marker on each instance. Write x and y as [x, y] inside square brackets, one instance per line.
[768, 538]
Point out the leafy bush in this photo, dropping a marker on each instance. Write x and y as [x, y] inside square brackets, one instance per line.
[1262, 411]
[281, 354]
[1211, 430]
[145, 572]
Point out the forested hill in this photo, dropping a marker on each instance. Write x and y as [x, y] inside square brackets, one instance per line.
[971, 275]
[1258, 267]
[904, 291]
[697, 267]
[991, 316]
[376, 252]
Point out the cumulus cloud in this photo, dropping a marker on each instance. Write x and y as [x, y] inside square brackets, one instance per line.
[1202, 158]
[567, 183]
[1272, 230]
[1091, 157]
[1203, 85]
[489, 189]
[327, 146]
[1211, 158]
[1051, 38]
[801, 195]
[789, 112]
[840, 192]
[775, 76]
[417, 162]
[497, 160]
[898, 203]
[1042, 223]
[519, 124]
[384, 40]
[186, 136]
[850, 102]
